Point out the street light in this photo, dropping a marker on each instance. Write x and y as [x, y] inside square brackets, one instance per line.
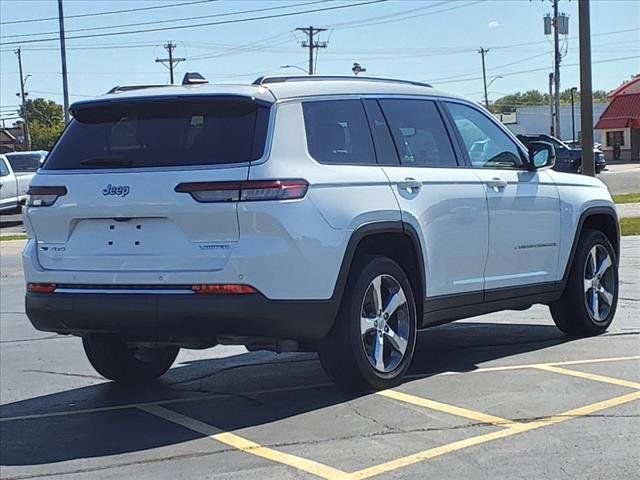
[493, 80]
[486, 99]
[294, 66]
[573, 121]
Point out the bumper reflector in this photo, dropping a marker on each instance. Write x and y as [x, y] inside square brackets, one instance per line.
[223, 288]
[41, 287]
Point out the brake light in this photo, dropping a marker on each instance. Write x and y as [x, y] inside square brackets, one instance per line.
[41, 287]
[223, 288]
[44, 196]
[249, 191]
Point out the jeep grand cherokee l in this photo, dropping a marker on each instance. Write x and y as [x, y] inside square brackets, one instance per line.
[338, 215]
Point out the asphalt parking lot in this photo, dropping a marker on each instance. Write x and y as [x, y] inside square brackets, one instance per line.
[502, 396]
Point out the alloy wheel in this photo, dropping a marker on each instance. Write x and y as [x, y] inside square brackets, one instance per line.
[599, 283]
[385, 323]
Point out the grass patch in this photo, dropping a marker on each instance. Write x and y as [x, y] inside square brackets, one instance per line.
[13, 237]
[630, 226]
[627, 198]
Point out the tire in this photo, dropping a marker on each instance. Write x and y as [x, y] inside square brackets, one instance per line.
[114, 359]
[349, 356]
[574, 312]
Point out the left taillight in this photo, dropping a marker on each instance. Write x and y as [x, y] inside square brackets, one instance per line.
[41, 287]
[248, 191]
[44, 196]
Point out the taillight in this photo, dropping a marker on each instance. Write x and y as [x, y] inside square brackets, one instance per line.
[223, 288]
[245, 191]
[44, 196]
[41, 287]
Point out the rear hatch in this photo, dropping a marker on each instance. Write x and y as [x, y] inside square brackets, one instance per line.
[120, 163]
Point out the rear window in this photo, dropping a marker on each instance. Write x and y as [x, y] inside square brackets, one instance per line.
[24, 162]
[162, 133]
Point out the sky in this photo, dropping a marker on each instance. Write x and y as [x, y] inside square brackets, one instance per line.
[426, 40]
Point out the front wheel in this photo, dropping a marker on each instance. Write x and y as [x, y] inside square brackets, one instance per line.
[373, 339]
[588, 304]
[114, 358]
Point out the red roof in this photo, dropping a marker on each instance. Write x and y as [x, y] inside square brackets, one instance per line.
[622, 112]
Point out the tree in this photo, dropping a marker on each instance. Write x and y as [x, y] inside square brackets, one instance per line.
[46, 122]
[509, 103]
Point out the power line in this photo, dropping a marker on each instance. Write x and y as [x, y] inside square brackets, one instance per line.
[206, 24]
[371, 21]
[111, 12]
[173, 20]
[608, 60]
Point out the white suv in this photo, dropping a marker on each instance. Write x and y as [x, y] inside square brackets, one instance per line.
[332, 214]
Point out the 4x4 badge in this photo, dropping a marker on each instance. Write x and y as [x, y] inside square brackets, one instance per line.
[120, 190]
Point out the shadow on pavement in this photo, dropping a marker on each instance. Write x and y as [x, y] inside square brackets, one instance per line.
[245, 390]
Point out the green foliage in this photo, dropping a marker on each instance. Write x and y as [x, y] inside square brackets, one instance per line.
[630, 226]
[627, 198]
[46, 122]
[509, 103]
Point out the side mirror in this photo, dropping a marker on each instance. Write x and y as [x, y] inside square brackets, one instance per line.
[541, 154]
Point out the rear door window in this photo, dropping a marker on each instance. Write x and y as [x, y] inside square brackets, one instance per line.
[159, 133]
[24, 162]
[338, 133]
[419, 133]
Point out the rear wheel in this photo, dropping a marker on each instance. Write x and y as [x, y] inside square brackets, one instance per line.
[373, 339]
[588, 304]
[117, 360]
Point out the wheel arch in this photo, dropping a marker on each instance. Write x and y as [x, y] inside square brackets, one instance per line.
[602, 218]
[394, 239]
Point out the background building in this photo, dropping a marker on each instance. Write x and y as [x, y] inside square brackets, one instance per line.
[535, 119]
[619, 124]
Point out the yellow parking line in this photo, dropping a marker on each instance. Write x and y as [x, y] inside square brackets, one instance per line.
[244, 445]
[487, 437]
[532, 365]
[446, 408]
[64, 413]
[590, 376]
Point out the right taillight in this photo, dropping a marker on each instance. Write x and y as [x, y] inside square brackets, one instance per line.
[249, 191]
[44, 196]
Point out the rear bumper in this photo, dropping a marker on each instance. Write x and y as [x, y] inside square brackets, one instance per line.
[171, 317]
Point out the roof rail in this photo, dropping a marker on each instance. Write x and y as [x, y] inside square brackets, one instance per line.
[127, 88]
[306, 78]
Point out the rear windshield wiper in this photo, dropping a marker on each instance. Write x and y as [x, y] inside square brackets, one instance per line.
[106, 161]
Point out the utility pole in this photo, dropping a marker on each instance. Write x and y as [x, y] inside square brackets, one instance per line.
[551, 119]
[172, 61]
[23, 98]
[573, 116]
[586, 94]
[556, 66]
[311, 44]
[483, 51]
[63, 56]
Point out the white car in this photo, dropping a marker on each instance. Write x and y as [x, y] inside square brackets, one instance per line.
[332, 214]
[13, 187]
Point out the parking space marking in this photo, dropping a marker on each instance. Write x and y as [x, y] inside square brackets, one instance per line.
[487, 437]
[530, 365]
[590, 376]
[298, 387]
[447, 408]
[244, 445]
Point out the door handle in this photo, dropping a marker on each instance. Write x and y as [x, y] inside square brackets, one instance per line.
[410, 185]
[496, 184]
